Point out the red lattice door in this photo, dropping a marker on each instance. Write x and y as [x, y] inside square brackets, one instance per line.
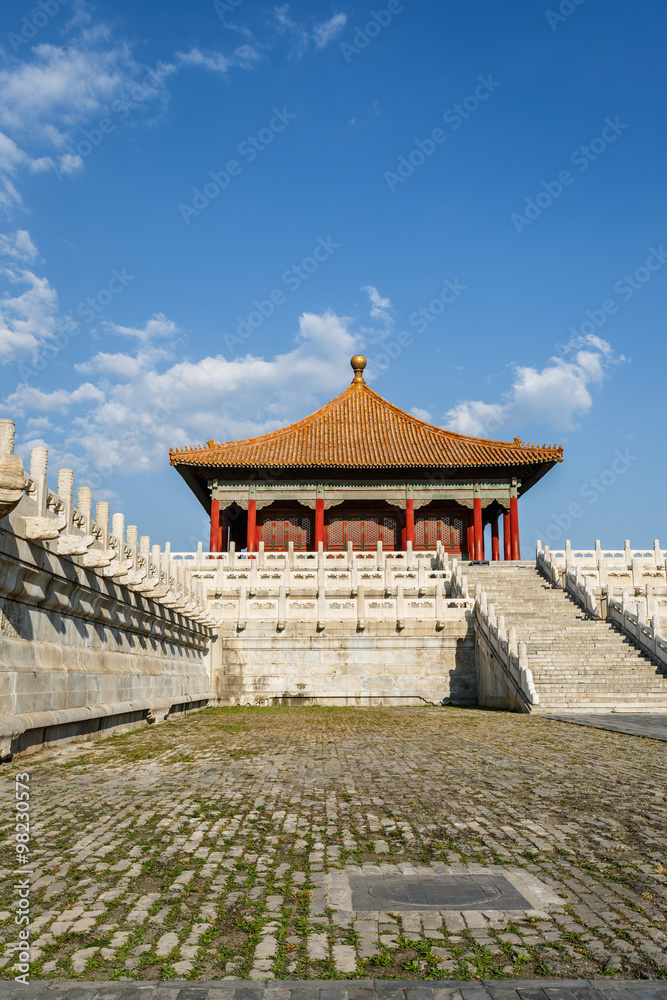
[363, 531]
[278, 533]
[445, 528]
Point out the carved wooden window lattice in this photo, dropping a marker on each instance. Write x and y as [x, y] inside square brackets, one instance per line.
[444, 528]
[277, 534]
[364, 532]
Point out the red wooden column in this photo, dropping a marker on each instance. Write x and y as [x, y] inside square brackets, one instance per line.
[214, 543]
[507, 541]
[495, 540]
[251, 543]
[409, 523]
[470, 537]
[319, 524]
[514, 528]
[223, 537]
[478, 529]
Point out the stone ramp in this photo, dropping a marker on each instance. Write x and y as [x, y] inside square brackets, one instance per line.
[578, 664]
[652, 725]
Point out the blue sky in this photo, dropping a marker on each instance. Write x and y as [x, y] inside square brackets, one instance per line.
[208, 207]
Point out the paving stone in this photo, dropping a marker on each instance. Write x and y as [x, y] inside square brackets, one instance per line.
[271, 815]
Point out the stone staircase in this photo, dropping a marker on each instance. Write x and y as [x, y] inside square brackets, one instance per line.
[578, 664]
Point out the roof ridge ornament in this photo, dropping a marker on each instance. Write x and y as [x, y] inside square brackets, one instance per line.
[358, 363]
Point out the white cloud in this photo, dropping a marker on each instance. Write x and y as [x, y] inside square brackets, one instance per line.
[382, 311]
[19, 246]
[380, 307]
[156, 328]
[135, 405]
[426, 415]
[245, 57]
[328, 30]
[553, 396]
[28, 318]
[321, 33]
[59, 89]
[37, 424]
[50, 95]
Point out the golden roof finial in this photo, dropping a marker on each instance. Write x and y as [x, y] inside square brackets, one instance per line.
[358, 363]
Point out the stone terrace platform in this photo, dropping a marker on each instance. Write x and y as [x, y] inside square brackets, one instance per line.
[366, 845]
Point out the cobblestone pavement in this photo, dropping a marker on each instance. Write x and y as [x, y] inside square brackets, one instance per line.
[223, 846]
[651, 724]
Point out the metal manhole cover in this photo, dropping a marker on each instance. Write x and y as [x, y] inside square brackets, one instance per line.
[437, 892]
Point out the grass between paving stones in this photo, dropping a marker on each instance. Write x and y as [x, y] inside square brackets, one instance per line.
[436, 785]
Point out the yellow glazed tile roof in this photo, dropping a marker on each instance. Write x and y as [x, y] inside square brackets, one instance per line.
[361, 429]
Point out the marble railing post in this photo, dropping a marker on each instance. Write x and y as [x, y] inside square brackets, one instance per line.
[387, 577]
[400, 606]
[84, 507]
[133, 544]
[361, 608]
[102, 522]
[39, 458]
[439, 601]
[511, 640]
[628, 554]
[65, 491]
[118, 533]
[12, 476]
[601, 563]
[282, 608]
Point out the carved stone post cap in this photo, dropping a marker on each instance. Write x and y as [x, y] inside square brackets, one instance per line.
[39, 457]
[84, 500]
[7, 431]
[65, 485]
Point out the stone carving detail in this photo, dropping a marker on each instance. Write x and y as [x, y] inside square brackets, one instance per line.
[43, 529]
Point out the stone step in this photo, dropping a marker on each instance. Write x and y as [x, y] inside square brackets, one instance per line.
[577, 662]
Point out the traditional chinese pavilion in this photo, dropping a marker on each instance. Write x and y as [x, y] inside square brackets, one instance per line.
[361, 470]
